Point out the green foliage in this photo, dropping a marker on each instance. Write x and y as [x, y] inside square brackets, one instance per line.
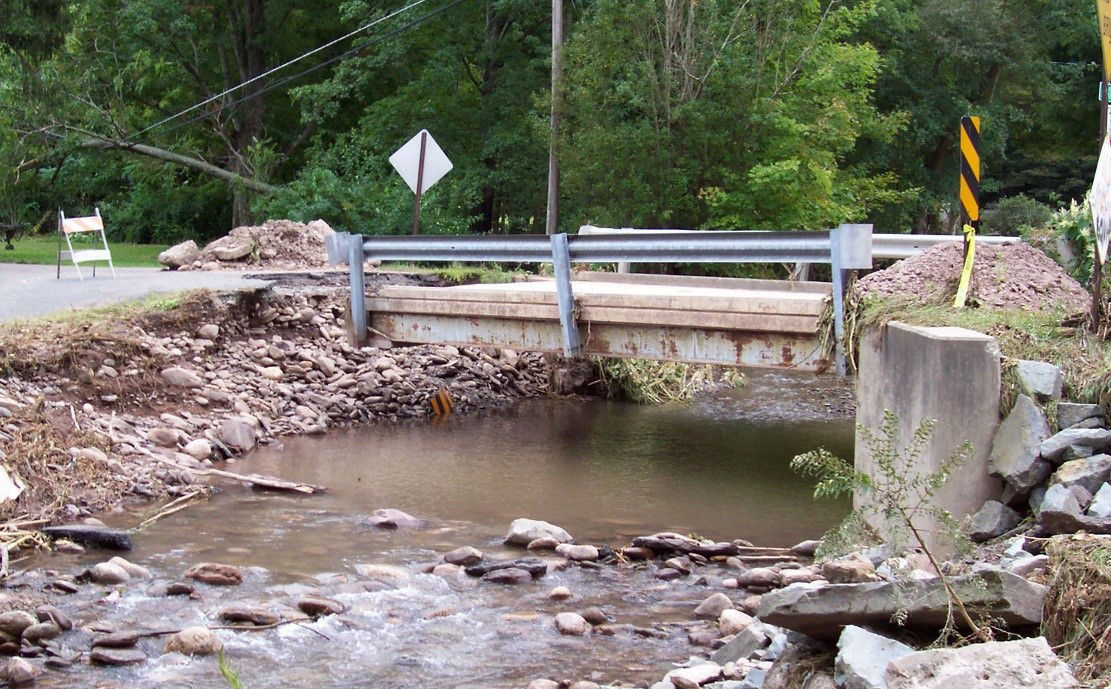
[1014, 215]
[646, 381]
[229, 673]
[895, 499]
[708, 114]
[1067, 237]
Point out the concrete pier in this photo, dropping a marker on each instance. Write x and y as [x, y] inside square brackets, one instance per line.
[951, 375]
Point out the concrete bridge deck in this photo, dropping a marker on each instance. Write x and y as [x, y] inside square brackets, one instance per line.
[758, 323]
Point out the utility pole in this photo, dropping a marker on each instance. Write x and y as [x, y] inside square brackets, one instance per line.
[553, 142]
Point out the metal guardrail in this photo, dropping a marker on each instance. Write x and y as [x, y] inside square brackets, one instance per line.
[887, 246]
[907, 245]
[845, 248]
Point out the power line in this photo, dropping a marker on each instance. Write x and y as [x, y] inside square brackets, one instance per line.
[342, 56]
[282, 66]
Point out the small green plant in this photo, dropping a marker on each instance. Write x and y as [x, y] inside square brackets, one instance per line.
[894, 503]
[1067, 238]
[230, 674]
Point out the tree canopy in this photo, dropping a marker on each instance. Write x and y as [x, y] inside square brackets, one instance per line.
[763, 114]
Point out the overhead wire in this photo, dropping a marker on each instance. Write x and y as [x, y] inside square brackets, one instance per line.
[282, 66]
[330, 61]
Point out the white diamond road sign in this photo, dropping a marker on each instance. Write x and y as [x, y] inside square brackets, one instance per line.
[1100, 199]
[407, 162]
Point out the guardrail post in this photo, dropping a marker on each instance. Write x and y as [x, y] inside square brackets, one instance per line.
[356, 256]
[561, 263]
[835, 238]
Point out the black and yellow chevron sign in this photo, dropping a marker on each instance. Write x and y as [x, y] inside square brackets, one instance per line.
[970, 169]
[441, 402]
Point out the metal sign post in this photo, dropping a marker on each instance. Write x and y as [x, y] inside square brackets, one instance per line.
[971, 171]
[421, 163]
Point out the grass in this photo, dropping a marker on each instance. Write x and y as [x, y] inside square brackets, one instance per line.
[44, 251]
[459, 273]
[1084, 357]
[1077, 622]
[655, 382]
[154, 303]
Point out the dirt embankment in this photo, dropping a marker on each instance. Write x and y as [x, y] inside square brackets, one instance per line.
[142, 405]
[1012, 276]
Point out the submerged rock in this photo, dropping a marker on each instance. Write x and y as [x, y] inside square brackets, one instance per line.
[536, 568]
[464, 556]
[571, 623]
[215, 574]
[20, 673]
[390, 518]
[508, 575]
[191, 641]
[1027, 663]
[116, 656]
[318, 606]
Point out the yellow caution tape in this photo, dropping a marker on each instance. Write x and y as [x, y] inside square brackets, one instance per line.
[966, 273]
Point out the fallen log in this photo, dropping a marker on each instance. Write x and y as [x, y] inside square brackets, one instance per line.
[90, 535]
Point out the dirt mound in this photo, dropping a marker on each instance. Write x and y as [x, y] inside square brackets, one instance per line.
[273, 245]
[1011, 276]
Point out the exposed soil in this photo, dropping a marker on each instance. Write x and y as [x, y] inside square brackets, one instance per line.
[1012, 276]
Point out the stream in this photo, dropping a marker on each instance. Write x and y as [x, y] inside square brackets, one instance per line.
[717, 467]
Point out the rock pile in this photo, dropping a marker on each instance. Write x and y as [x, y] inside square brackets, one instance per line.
[1061, 478]
[276, 244]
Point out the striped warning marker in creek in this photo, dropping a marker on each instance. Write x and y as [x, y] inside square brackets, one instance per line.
[971, 169]
[441, 402]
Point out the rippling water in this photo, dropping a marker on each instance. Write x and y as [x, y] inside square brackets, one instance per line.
[604, 471]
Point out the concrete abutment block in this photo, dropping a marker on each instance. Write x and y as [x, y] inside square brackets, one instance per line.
[951, 375]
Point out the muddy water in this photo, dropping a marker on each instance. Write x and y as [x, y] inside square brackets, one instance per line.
[604, 471]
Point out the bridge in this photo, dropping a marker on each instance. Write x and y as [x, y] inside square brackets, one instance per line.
[754, 323]
[757, 323]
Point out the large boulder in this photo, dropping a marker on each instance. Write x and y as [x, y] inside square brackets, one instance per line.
[992, 520]
[1093, 439]
[1090, 473]
[1042, 379]
[230, 248]
[524, 531]
[862, 658]
[821, 611]
[1027, 663]
[1015, 450]
[237, 434]
[1070, 414]
[180, 255]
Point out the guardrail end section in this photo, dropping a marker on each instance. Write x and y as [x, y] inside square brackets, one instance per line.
[855, 245]
[338, 249]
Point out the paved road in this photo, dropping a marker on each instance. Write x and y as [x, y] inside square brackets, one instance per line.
[27, 290]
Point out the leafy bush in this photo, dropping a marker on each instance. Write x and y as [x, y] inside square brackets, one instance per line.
[1066, 237]
[1010, 215]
